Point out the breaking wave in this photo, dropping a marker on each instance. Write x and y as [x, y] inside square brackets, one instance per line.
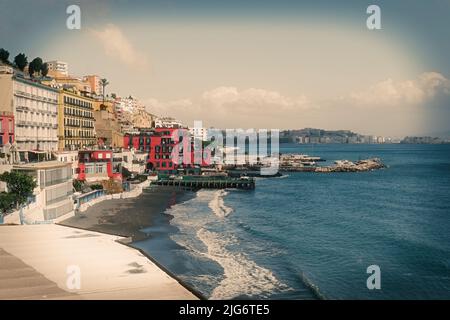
[241, 275]
[218, 206]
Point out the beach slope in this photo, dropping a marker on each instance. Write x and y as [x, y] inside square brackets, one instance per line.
[44, 262]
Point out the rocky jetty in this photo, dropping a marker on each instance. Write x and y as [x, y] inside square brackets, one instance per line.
[350, 166]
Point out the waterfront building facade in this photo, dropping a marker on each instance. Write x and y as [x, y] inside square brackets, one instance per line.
[76, 121]
[69, 157]
[53, 194]
[34, 107]
[97, 165]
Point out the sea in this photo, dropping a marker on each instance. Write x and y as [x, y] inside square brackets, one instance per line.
[314, 235]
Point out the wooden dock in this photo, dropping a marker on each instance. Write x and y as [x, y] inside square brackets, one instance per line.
[200, 182]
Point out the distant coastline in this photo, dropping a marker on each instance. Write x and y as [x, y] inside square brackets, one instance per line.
[321, 136]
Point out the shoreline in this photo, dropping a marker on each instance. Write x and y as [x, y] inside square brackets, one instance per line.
[113, 217]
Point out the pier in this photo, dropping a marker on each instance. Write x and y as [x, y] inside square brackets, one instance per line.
[207, 182]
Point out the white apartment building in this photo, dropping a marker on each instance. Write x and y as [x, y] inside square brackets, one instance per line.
[126, 104]
[197, 132]
[53, 194]
[69, 157]
[35, 109]
[58, 66]
[167, 122]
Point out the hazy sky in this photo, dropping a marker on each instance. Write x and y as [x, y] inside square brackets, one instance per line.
[262, 64]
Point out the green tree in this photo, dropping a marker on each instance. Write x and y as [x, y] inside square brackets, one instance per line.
[44, 69]
[77, 185]
[7, 202]
[19, 184]
[21, 61]
[4, 55]
[35, 65]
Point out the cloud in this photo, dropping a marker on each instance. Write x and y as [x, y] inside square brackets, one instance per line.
[224, 106]
[389, 93]
[251, 100]
[388, 107]
[117, 45]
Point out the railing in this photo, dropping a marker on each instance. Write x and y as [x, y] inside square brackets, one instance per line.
[85, 198]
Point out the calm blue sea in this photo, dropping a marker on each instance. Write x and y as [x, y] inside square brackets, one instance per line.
[312, 236]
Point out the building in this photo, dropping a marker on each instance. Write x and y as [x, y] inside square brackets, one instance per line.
[53, 194]
[6, 128]
[69, 157]
[94, 82]
[76, 121]
[34, 107]
[159, 144]
[167, 122]
[97, 165]
[138, 140]
[68, 82]
[56, 68]
[107, 127]
[199, 132]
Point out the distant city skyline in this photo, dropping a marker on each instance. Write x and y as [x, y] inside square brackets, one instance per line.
[261, 64]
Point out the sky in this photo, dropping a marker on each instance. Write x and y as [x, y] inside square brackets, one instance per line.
[256, 64]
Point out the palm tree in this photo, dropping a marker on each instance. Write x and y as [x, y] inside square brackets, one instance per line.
[103, 83]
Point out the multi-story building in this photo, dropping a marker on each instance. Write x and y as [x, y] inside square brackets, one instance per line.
[52, 197]
[199, 133]
[6, 128]
[35, 109]
[68, 82]
[138, 140]
[159, 143]
[69, 157]
[107, 127]
[58, 67]
[76, 121]
[167, 122]
[94, 82]
[97, 165]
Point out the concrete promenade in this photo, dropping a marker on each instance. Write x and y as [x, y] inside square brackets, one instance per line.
[36, 262]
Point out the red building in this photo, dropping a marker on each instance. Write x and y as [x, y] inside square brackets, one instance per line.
[160, 143]
[95, 165]
[139, 141]
[6, 128]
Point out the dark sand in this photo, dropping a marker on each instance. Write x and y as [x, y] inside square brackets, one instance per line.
[126, 217]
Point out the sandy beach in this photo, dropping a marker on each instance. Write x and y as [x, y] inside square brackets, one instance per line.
[126, 217]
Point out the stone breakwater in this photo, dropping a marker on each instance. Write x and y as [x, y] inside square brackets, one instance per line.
[349, 166]
[339, 166]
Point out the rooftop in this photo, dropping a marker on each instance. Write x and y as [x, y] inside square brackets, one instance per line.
[41, 165]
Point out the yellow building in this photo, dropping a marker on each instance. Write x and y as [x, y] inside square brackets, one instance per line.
[76, 128]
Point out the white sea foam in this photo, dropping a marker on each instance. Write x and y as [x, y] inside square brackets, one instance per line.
[218, 206]
[242, 276]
